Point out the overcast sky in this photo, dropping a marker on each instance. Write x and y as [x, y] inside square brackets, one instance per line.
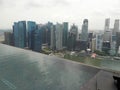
[73, 11]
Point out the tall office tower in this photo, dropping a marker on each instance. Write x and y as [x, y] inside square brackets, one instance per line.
[107, 24]
[84, 34]
[107, 31]
[37, 37]
[8, 38]
[44, 34]
[59, 36]
[48, 33]
[74, 30]
[78, 36]
[113, 43]
[116, 27]
[106, 47]
[19, 31]
[117, 41]
[93, 45]
[53, 39]
[72, 37]
[99, 41]
[90, 37]
[113, 48]
[65, 34]
[31, 27]
[16, 34]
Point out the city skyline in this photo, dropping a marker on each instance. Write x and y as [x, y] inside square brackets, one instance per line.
[60, 11]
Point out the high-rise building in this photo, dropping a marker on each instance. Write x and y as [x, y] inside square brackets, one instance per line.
[117, 41]
[107, 32]
[72, 37]
[107, 24]
[59, 36]
[84, 34]
[8, 38]
[16, 34]
[31, 27]
[65, 34]
[93, 45]
[116, 27]
[78, 36]
[113, 44]
[53, 37]
[106, 47]
[71, 44]
[113, 48]
[90, 37]
[48, 33]
[99, 41]
[74, 31]
[19, 31]
[37, 37]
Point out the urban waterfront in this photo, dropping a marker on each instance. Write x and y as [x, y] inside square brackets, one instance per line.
[105, 63]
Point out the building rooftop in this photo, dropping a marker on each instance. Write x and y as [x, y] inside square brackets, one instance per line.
[26, 70]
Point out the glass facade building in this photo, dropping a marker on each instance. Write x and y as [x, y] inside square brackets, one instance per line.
[84, 34]
[19, 32]
[31, 26]
[48, 33]
[53, 39]
[59, 36]
[37, 43]
[65, 33]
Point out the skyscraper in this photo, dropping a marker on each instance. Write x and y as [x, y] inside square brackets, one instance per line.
[48, 33]
[19, 31]
[99, 41]
[59, 36]
[117, 41]
[53, 39]
[107, 31]
[37, 37]
[65, 34]
[107, 24]
[84, 34]
[74, 30]
[16, 34]
[116, 27]
[8, 38]
[31, 26]
[72, 37]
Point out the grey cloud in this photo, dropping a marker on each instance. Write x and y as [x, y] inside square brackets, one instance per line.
[1, 2]
[7, 3]
[61, 2]
[98, 13]
[51, 3]
[33, 5]
[114, 11]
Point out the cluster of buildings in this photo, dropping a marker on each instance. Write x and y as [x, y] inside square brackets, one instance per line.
[59, 37]
[109, 40]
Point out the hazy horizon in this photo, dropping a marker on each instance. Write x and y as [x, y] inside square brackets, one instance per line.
[72, 11]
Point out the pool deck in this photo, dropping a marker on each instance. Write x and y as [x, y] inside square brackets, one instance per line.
[101, 81]
[24, 70]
